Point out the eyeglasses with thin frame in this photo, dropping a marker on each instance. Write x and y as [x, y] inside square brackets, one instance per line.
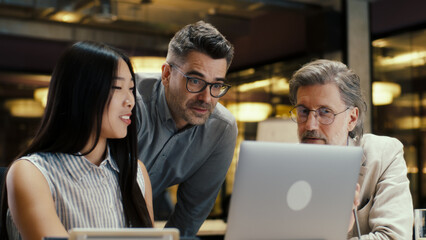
[324, 115]
[196, 85]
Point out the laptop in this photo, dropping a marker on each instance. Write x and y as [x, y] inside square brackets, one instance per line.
[288, 191]
[124, 234]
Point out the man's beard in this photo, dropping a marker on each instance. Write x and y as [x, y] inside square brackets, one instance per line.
[312, 134]
[195, 118]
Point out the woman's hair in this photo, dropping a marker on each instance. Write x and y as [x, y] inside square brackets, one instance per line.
[79, 90]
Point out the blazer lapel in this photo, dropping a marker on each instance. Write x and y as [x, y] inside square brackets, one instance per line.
[362, 170]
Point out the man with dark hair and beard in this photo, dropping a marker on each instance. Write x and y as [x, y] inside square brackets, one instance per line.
[185, 136]
[329, 109]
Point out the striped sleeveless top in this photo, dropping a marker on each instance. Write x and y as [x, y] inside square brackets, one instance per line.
[85, 195]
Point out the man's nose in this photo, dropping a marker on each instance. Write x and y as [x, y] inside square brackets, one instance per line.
[205, 95]
[312, 121]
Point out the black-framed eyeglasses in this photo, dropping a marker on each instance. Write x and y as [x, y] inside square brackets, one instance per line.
[196, 85]
[324, 115]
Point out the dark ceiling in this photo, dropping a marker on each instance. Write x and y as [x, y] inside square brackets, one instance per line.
[34, 33]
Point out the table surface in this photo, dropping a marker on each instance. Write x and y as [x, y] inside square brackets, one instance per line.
[210, 227]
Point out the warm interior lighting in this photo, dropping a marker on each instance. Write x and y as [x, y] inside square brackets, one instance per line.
[247, 72]
[280, 86]
[24, 108]
[253, 85]
[380, 43]
[68, 17]
[242, 73]
[283, 111]
[415, 58]
[40, 94]
[385, 92]
[147, 64]
[414, 170]
[250, 111]
[409, 100]
[276, 85]
[409, 122]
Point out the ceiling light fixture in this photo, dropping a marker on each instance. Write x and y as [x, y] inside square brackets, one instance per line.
[415, 58]
[278, 85]
[40, 94]
[27, 108]
[68, 17]
[385, 92]
[105, 14]
[250, 111]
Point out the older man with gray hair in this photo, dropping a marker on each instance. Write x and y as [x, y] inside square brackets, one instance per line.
[329, 109]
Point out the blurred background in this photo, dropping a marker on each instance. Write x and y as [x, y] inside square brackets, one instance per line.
[384, 41]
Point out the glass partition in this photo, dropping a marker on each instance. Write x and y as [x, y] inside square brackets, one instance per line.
[399, 100]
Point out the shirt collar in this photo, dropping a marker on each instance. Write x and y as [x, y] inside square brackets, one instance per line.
[108, 159]
[164, 111]
[78, 166]
[353, 143]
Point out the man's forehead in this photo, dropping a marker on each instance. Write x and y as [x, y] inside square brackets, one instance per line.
[204, 64]
[319, 95]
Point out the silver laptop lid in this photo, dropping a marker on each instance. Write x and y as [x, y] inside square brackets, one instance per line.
[293, 191]
[124, 234]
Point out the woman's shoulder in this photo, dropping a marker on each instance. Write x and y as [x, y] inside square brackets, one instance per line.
[141, 166]
[38, 157]
[23, 171]
[48, 163]
[42, 160]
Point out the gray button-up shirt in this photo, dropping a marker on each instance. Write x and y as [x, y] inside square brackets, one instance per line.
[197, 158]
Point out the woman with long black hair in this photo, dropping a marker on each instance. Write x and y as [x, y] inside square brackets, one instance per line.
[81, 169]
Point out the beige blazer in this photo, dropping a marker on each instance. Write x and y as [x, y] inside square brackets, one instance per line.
[386, 208]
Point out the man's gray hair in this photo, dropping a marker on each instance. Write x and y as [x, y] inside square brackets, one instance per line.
[326, 71]
[201, 37]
